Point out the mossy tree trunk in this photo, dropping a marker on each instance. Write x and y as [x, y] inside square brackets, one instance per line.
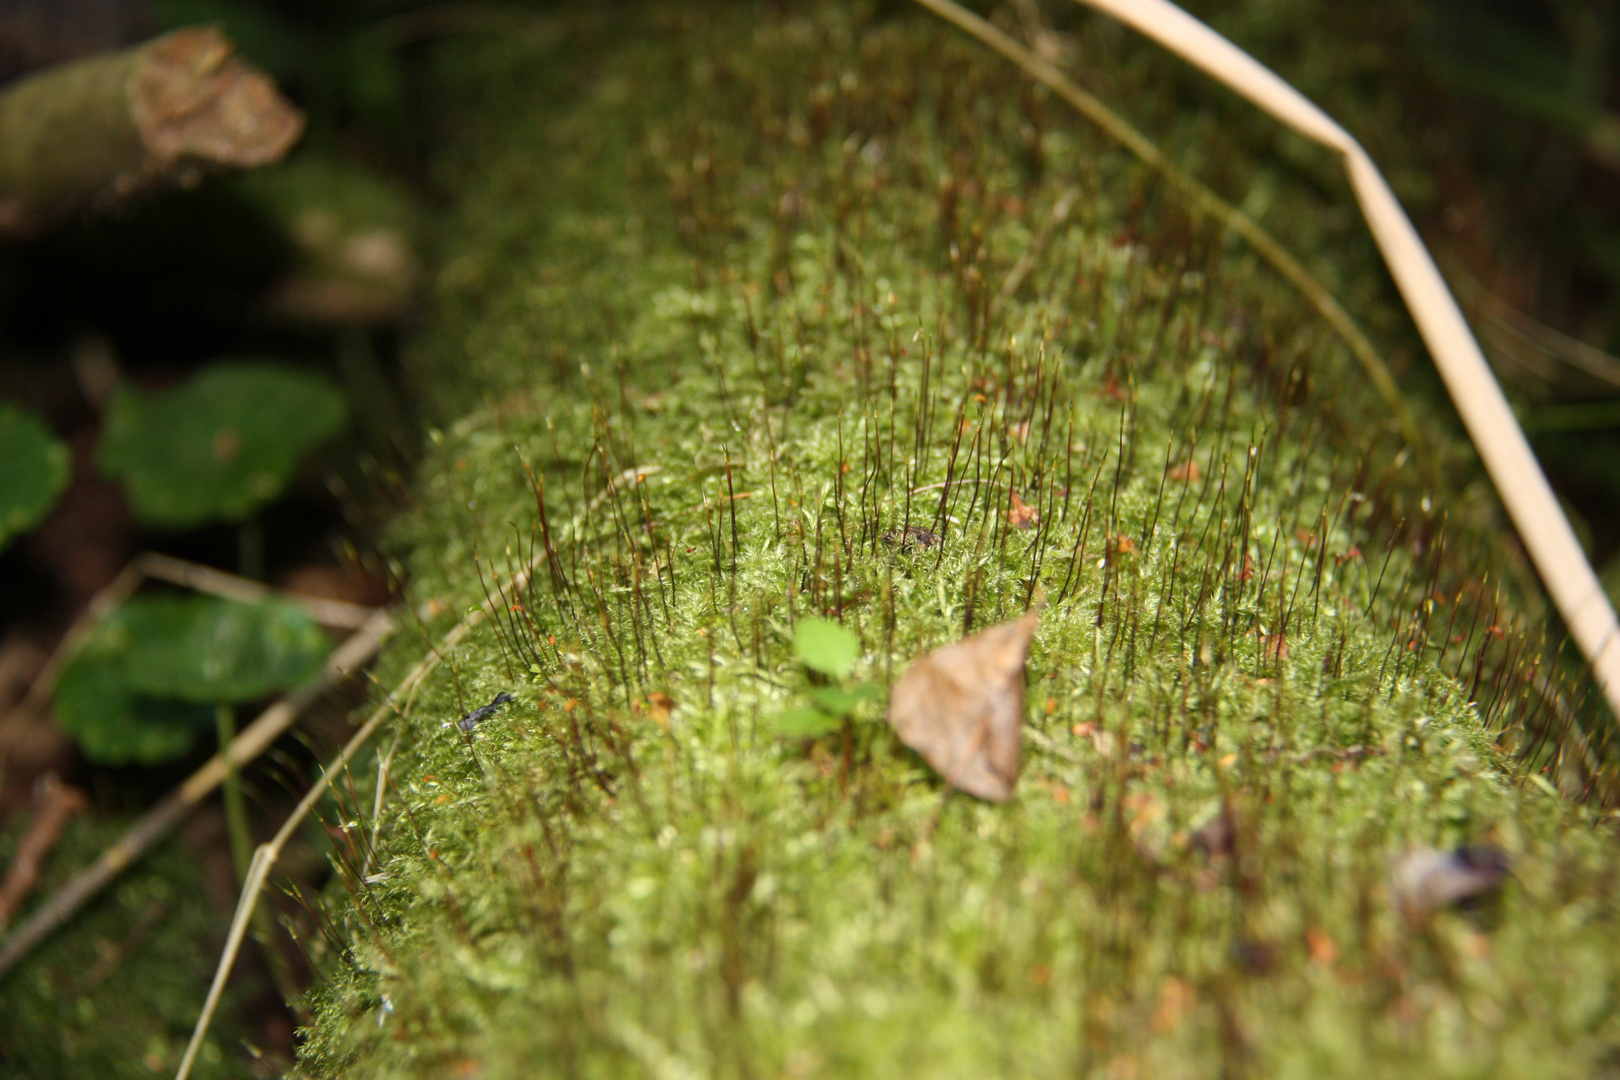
[735, 286]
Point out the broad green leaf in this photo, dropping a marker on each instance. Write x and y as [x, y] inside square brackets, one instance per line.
[112, 724]
[206, 650]
[841, 702]
[219, 446]
[806, 722]
[139, 690]
[824, 646]
[33, 471]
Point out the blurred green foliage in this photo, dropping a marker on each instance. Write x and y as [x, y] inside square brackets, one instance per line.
[219, 446]
[825, 646]
[34, 470]
[115, 996]
[140, 689]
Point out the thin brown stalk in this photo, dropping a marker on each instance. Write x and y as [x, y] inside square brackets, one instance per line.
[54, 804]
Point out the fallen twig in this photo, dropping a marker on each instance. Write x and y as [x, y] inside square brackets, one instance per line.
[54, 803]
[101, 605]
[206, 579]
[339, 614]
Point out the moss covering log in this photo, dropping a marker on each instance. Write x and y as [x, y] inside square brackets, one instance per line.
[722, 320]
[90, 134]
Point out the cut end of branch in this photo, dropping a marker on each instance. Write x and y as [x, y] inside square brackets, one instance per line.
[91, 134]
[192, 99]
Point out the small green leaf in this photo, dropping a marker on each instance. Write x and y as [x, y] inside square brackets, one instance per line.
[112, 724]
[219, 446]
[140, 688]
[206, 650]
[841, 702]
[806, 722]
[33, 471]
[824, 646]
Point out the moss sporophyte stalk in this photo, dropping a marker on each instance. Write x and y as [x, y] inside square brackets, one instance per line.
[752, 341]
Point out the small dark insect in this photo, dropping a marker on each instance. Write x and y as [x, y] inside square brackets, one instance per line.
[1219, 837]
[912, 538]
[1257, 957]
[1425, 880]
[470, 721]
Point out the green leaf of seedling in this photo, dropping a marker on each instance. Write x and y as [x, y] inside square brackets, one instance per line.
[219, 446]
[114, 725]
[806, 722]
[140, 689]
[841, 702]
[33, 471]
[207, 650]
[824, 646]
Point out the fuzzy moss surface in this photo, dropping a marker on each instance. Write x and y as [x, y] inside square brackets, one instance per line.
[116, 995]
[733, 283]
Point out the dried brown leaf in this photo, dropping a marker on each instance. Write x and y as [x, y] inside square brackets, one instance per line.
[1020, 514]
[1187, 472]
[961, 707]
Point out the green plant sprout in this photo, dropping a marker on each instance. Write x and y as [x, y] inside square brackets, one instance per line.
[831, 650]
[826, 647]
[34, 470]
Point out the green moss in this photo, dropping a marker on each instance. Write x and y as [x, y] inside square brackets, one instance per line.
[116, 994]
[730, 283]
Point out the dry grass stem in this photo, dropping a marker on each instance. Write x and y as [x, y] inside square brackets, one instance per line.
[54, 803]
[1200, 198]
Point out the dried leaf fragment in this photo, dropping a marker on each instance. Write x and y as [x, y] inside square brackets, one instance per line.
[1020, 514]
[1187, 472]
[193, 99]
[961, 707]
[659, 706]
